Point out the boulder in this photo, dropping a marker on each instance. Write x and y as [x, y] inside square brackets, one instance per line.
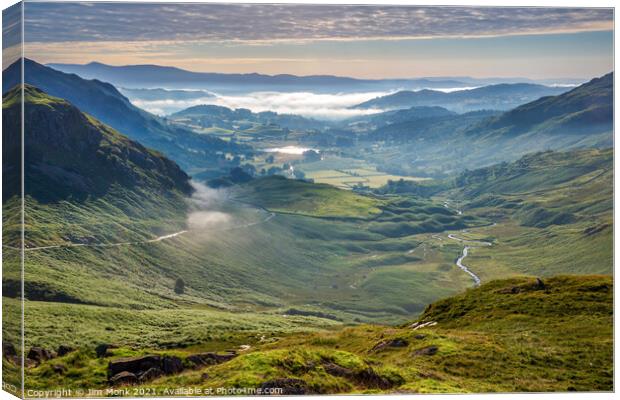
[367, 377]
[370, 378]
[284, 386]
[124, 378]
[102, 350]
[40, 354]
[419, 325]
[210, 358]
[398, 342]
[172, 365]
[426, 351]
[135, 365]
[63, 349]
[337, 370]
[150, 374]
[8, 350]
[59, 368]
[379, 346]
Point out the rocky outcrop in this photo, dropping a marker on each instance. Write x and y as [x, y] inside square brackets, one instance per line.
[124, 378]
[102, 350]
[59, 369]
[426, 351]
[129, 370]
[8, 350]
[143, 368]
[210, 358]
[419, 325]
[398, 342]
[40, 354]
[64, 350]
[151, 374]
[171, 365]
[135, 365]
[285, 386]
[367, 377]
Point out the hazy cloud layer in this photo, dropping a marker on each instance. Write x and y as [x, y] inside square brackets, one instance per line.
[312, 105]
[58, 22]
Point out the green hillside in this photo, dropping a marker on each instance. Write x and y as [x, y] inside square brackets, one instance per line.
[553, 213]
[585, 109]
[578, 119]
[298, 197]
[56, 128]
[194, 152]
[513, 335]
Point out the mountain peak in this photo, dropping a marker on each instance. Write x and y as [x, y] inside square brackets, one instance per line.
[101, 158]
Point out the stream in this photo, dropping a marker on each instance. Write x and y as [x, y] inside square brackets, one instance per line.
[468, 245]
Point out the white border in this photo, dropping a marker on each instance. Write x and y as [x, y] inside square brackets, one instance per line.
[484, 3]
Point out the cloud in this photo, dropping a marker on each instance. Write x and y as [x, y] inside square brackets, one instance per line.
[311, 105]
[206, 220]
[206, 216]
[61, 22]
[206, 198]
[167, 106]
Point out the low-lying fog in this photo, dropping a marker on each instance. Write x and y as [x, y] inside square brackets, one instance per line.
[307, 104]
[206, 213]
[311, 105]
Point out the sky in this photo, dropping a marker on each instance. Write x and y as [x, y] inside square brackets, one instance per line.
[357, 41]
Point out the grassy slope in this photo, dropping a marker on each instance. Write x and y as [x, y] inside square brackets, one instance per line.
[587, 108]
[508, 335]
[239, 284]
[554, 214]
[299, 197]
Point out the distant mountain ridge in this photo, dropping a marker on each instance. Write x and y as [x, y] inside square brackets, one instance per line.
[106, 103]
[587, 109]
[69, 154]
[158, 94]
[578, 119]
[404, 115]
[156, 76]
[496, 97]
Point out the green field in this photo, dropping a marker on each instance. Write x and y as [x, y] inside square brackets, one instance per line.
[345, 173]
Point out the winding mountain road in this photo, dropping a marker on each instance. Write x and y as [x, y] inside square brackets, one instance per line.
[133, 243]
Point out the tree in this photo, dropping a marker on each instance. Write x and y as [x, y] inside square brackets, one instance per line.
[179, 286]
[238, 175]
[299, 174]
[311, 155]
